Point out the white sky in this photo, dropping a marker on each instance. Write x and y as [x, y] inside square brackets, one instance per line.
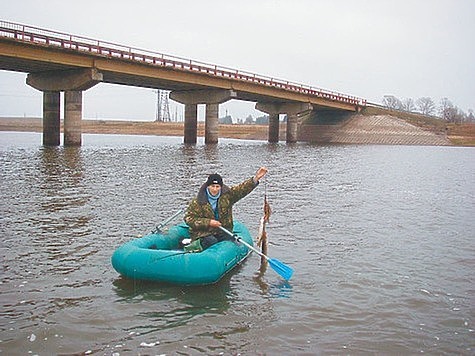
[367, 48]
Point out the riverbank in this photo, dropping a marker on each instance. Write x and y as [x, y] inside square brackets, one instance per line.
[361, 129]
[117, 127]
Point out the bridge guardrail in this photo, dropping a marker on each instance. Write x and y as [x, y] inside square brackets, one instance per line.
[38, 36]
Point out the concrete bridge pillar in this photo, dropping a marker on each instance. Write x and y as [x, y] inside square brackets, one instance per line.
[292, 109]
[274, 128]
[72, 118]
[212, 98]
[292, 128]
[51, 118]
[212, 124]
[72, 82]
[191, 123]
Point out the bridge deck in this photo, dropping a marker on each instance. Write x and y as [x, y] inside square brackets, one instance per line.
[30, 49]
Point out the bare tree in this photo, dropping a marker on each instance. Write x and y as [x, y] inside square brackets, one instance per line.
[460, 116]
[451, 113]
[426, 105]
[455, 115]
[470, 116]
[446, 109]
[391, 102]
[408, 104]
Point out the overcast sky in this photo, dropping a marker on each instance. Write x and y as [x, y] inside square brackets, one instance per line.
[410, 49]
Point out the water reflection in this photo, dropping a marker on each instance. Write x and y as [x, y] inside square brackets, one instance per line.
[175, 305]
[61, 180]
[63, 217]
[279, 289]
[187, 168]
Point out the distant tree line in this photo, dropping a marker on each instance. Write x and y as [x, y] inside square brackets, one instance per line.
[261, 120]
[226, 120]
[426, 106]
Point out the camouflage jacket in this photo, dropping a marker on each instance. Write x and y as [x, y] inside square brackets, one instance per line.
[199, 211]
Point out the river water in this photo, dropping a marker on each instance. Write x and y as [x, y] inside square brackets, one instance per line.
[381, 239]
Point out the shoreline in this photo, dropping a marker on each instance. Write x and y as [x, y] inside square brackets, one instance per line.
[151, 128]
[456, 134]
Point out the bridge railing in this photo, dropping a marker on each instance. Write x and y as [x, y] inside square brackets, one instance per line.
[66, 41]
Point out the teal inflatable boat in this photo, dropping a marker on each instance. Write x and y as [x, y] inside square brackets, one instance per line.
[157, 257]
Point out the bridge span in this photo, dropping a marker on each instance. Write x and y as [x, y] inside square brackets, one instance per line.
[59, 62]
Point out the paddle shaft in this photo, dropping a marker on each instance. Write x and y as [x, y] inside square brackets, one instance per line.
[243, 242]
[159, 226]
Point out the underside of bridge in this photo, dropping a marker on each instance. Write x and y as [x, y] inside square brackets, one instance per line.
[54, 69]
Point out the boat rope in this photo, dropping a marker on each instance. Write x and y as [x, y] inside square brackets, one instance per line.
[170, 255]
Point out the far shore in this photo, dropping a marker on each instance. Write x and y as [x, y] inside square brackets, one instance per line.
[153, 128]
[457, 134]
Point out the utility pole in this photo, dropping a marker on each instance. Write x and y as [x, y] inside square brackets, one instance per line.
[163, 107]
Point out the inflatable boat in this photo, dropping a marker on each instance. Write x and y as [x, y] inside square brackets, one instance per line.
[158, 257]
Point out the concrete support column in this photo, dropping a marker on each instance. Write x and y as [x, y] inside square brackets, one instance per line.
[274, 128]
[212, 98]
[72, 82]
[292, 128]
[211, 124]
[51, 118]
[72, 118]
[191, 123]
[292, 109]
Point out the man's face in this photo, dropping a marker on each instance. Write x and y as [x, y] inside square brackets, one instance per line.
[214, 189]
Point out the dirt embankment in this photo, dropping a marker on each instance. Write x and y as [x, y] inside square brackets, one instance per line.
[374, 129]
[457, 134]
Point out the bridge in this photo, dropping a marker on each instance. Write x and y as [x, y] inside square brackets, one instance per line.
[59, 62]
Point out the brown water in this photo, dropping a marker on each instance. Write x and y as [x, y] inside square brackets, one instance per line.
[381, 238]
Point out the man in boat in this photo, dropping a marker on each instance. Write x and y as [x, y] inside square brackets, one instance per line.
[212, 208]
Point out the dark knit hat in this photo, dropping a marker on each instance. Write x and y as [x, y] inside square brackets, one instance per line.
[214, 179]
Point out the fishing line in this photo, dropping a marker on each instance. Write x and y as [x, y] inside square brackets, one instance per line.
[265, 187]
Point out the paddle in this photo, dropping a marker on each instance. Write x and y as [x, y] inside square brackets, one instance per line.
[281, 268]
[159, 227]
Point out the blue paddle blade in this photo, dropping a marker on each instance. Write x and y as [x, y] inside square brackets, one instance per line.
[281, 268]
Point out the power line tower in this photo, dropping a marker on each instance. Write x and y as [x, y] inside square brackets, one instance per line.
[163, 107]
